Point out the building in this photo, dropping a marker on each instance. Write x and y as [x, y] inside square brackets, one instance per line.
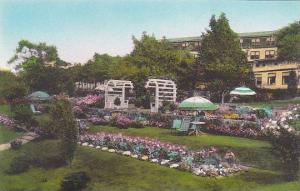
[261, 50]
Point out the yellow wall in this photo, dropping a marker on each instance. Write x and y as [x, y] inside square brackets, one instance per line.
[262, 52]
[278, 70]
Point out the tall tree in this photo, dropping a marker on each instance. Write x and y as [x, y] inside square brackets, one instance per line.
[288, 39]
[224, 63]
[64, 122]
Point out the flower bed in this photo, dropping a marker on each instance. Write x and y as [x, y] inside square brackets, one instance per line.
[206, 162]
[283, 122]
[88, 100]
[6, 121]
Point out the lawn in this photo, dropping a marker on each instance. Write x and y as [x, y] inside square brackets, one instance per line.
[273, 103]
[114, 172]
[5, 109]
[256, 153]
[7, 135]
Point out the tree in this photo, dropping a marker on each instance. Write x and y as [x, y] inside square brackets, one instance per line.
[64, 123]
[292, 83]
[117, 101]
[288, 39]
[223, 62]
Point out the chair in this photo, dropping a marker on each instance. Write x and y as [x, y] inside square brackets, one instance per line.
[33, 109]
[185, 125]
[176, 124]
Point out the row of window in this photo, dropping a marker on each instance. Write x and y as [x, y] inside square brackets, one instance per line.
[255, 55]
[258, 40]
[272, 78]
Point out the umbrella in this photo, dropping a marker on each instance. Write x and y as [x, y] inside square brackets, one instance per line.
[197, 103]
[242, 91]
[39, 96]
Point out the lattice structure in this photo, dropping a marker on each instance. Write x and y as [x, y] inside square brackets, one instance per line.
[165, 90]
[116, 89]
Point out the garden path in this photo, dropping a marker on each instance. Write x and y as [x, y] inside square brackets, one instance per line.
[24, 139]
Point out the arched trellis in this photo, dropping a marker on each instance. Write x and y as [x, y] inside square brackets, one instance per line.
[116, 89]
[165, 90]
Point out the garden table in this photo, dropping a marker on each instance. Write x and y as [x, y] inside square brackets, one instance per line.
[197, 130]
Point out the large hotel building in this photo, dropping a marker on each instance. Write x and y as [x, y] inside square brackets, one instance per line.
[261, 50]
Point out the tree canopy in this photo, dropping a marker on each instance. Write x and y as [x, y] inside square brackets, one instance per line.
[221, 58]
[289, 42]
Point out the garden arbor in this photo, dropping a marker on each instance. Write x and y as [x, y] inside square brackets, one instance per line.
[116, 89]
[164, 90]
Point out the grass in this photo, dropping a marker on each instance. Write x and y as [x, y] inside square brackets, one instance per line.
[274, 103]
[256, 153]
[114, 172]
[7, 135]
[5, 109]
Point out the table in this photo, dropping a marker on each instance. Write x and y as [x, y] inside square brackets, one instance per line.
[198, 127]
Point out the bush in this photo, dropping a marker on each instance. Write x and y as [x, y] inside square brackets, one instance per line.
[137, 124]
[16, 144]
[22, 113]
[261, 114]
[75, 181]
[50, 160]
[18, 165]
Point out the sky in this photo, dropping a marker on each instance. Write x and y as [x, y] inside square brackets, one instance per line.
[79, 28]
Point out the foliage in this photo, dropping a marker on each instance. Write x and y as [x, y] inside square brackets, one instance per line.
[222, 59]
[18, 164]
[15, 144]
[75, 181]
[11, 87]
[64, 122]
[287, 147]
[292, 82]
[288, 42]
[22, 112]
[117, 101]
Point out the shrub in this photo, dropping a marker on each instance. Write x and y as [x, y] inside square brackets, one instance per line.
[75, 181]
[117, 101]
[137, 124]
[16, 144]
[22, 113]
[49, 160]
[18, 165]
[98, 121]
[260, 113]
[123, 122]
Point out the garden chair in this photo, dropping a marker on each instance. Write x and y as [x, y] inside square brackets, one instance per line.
[176, 124]
[34, 110]
[185, 125]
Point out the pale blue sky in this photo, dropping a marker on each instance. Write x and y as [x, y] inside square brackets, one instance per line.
[78, 28]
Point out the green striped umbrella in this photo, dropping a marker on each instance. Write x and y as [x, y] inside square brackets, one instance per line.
[242, 91]
[197, 103]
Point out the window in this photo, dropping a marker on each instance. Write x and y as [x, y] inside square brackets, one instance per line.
[271, 78]
[255, 40]
[258, 79]
[285, 77]
[269, 54]
[185, 44]
[254, 55]
[241, 40]
[270, 39]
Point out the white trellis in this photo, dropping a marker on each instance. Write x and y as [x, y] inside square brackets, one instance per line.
[116, 89]
[165, 90]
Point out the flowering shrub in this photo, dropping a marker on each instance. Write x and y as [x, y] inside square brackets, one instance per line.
[123, 122]
[239, 128]
[89, 100]
[206, 162]
[78, 112]
[283, 122]
[6, 121]
[98, 121]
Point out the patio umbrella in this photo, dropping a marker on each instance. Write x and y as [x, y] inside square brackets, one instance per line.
[242, 91]
[39, 96]
[197, 103]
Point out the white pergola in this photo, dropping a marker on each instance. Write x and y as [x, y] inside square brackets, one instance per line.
[116, 89]
[165, 90]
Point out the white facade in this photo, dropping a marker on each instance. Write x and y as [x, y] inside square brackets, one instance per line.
[116, 89]
[165, 90]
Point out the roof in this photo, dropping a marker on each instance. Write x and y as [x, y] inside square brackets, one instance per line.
[198, 38]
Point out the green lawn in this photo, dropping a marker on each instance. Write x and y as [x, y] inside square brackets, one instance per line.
[274, 103]
[5, 109]
[7, 135]
[256, 153]
[114, 172]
